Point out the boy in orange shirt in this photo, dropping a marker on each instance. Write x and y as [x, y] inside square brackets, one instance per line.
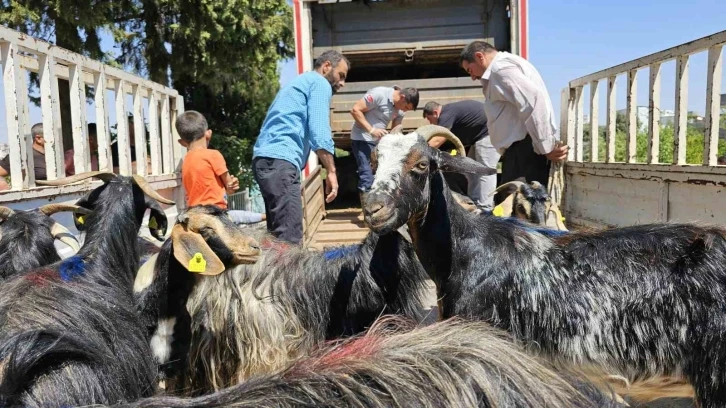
[204, 172]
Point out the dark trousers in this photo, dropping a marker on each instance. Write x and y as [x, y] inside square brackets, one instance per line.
[279, 182]
[520, 160]
[362, 154]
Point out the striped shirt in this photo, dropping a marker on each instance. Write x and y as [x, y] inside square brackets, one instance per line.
[298, 120]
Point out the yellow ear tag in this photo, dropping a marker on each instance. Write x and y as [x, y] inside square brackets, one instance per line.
[197, 263]
[498, 211]
[80, 219]
[453, 152]
[152, 223]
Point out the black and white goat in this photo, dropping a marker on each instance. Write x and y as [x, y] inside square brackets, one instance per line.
[642, 301]
[27, 238]
[253, 319]
[453, 364]
[69, 332]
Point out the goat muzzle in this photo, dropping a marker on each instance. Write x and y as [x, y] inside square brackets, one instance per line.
[249, 254]
[377, 214]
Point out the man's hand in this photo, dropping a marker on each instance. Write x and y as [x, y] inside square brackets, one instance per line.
[233, 184]
[378, 133]
[558, 154]
[331, 187]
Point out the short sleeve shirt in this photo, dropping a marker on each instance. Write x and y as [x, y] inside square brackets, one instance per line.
[201, 171]
[379, 101]
[38, 163]
[465, 119]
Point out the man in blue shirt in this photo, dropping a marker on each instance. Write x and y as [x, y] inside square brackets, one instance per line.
[298, 120]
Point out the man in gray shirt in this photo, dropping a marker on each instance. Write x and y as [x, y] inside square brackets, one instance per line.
[372, 113]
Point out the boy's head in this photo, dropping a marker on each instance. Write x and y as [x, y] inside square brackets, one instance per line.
[191, 127]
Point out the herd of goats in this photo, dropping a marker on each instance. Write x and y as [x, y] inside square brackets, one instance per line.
[223, 316]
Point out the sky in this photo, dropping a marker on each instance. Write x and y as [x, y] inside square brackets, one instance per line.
[572, 39]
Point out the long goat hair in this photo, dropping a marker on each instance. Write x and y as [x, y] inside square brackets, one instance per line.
[640, 302]
[455, 364]
[27, 238]
[69, 332]
[253, 319]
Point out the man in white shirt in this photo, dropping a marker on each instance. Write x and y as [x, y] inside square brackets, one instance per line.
[521, 121]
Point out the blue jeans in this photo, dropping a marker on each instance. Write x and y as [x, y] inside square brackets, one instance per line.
[362, 153]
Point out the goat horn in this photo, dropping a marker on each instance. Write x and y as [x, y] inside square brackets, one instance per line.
[519, 184]
[397, 129]
[50, 209]
[149, 191]
[101, 175]
[429, 131]
[5, 212]
[62, 234]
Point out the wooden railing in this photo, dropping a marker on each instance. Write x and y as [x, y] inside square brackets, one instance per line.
[313, 199]
[21, 54]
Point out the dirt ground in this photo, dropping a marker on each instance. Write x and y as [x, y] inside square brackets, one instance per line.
[431, 314]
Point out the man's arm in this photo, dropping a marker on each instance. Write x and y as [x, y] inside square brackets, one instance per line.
[397, 121]
[446, 121]
[363, 105]
[321, 139]
[531, 102]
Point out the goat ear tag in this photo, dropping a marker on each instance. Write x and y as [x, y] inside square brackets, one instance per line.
[453, 152]
[152, 223]
[197, 263]
[193, 253]
[498, 211]
[80, 219]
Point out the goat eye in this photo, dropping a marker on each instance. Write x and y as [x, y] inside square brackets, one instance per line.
[206, 230]
[422, 165]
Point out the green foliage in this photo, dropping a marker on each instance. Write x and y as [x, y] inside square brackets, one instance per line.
[694, 145]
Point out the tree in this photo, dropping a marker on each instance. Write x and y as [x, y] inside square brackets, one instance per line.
[225, 55]
[221, 55]
[694, 145]
[71, 24]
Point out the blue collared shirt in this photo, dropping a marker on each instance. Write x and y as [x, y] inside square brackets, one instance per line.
[298, 120]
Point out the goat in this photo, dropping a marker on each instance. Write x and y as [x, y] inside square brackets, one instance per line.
[252, 319]
[529, 202]
[640, 302]
[27, 238]
[449, 364]
[69, 331]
